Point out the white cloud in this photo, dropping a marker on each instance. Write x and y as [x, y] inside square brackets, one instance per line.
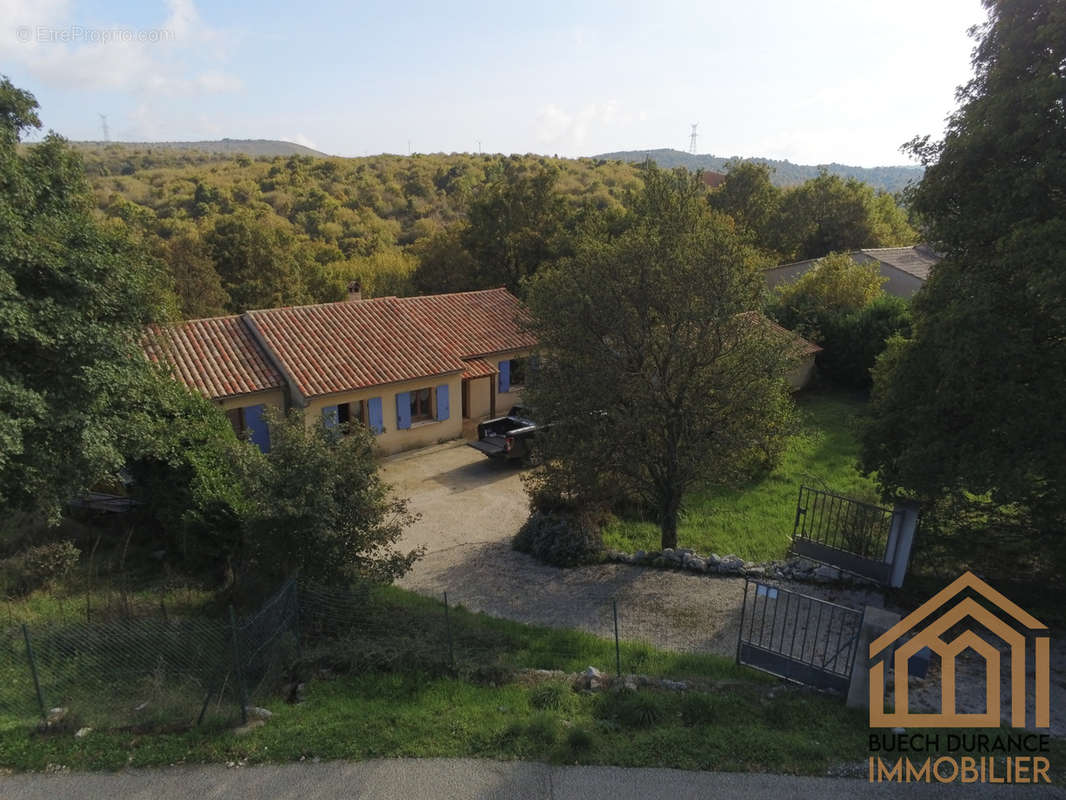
[180, 56]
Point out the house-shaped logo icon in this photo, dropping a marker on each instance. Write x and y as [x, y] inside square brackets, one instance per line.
[959, 605]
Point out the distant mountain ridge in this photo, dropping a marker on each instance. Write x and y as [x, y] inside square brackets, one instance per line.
[889, 179]
[249, 147]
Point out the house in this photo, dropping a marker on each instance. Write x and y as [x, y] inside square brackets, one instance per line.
[802, 352]
[906, 268]
[410, 368]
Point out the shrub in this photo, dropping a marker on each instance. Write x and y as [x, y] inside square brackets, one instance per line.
[550, 696]
[698, 709]
[37, 566]
[580, 740]
[543, 729]
[564, 539]
[635, 709]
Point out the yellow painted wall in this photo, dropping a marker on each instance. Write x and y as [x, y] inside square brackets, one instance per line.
[800, 376]
[273, 397]
[420, 434]
[480, 396]
[504, 400]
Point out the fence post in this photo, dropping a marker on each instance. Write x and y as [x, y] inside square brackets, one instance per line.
[237, 667]
[617, 648]
[448, 630]
[33, 671]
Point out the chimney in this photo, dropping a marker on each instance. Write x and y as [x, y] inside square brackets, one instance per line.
[355, 292]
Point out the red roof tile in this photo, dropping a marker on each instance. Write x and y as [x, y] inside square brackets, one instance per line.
[337, 347]
[218, 357]
[470, 324]
[478, 368]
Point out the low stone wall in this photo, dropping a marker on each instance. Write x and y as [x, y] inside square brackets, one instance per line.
[798, 569]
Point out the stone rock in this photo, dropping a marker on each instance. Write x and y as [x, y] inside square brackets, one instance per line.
[713, 559]
[685, 551]
[696, 564]
[668, 552]
[249, 726]
[659, 561]
[591, 680]
[755, 571]
[82, 733]
[55, 716]
[639, 556]
[259, 713]
[731, 565]
[630, 683]
[673, 686]
[826, 574]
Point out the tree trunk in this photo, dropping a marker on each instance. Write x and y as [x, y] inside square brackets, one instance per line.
[670, 512]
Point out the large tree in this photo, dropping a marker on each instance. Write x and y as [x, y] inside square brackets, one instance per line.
[655, 369]
[972, 405]
[73, 297]
[830, 214]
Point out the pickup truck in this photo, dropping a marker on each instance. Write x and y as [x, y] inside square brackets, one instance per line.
[507, 438]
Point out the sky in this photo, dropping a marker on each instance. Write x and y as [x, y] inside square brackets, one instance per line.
[812, 82]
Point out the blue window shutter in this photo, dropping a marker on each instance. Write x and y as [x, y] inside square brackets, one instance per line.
[254, 422]
[442, 402]
[505, 376]
[374, 415]
[329, 417]
[403, 410]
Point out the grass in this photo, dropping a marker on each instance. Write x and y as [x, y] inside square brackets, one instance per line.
[394, 715]
[755, 521]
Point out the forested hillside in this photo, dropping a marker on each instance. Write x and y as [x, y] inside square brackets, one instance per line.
[229, 147]
[242, 232]
[785, 173]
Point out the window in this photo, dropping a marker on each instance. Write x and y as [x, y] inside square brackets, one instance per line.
[353, 412]
[518, 373]
[421, 404]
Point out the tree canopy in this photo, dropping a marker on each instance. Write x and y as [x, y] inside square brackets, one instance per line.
[971, 406]
[74, 295]
[655, 369]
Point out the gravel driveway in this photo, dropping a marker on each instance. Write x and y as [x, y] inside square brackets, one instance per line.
[471, 508]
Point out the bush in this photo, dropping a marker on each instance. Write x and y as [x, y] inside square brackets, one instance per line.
[853, 341]
[579, 740]
[543, 729]
[698, 709]
[550, 696]
[635, 709]
[564, 539]
[37, 566]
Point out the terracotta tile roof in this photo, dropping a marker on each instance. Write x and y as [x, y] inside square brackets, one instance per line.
[478, 368]
[218, 357]
[337, 347]
[803, 346]
[470, 324]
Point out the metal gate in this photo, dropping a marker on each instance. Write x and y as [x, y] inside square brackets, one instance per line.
[798, 637]
[846, 533]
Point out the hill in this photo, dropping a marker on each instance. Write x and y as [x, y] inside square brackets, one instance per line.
[248, 147]
[889, 179]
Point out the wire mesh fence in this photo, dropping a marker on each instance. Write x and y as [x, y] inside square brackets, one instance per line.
[173, 672]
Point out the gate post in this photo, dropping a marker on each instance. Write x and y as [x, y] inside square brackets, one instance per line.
[875, 621]
[900, 539]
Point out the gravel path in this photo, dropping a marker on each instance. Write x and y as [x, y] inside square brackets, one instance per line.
[472, 507]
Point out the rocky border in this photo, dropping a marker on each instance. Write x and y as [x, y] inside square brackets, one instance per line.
[798, 569]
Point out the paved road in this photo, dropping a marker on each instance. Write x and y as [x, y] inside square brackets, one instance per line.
[465, 779]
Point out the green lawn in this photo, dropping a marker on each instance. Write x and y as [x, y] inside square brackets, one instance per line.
[755, 521]
[395, 692]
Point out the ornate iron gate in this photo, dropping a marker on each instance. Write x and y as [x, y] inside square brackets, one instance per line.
[798, 637]
[846, 533]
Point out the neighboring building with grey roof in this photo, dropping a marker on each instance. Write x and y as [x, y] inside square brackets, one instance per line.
[906, 268]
